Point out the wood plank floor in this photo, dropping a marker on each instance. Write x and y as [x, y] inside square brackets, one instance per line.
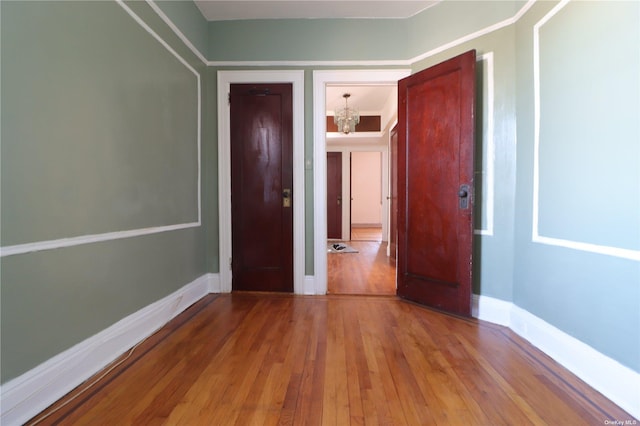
[268, 359]
[366, 233]
[370, 271]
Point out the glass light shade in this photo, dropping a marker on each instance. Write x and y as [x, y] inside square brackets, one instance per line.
[346, 118]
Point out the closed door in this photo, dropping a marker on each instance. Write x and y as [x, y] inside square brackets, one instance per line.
[262, 194]
[435, 184]
[393, 189]
[334, 195]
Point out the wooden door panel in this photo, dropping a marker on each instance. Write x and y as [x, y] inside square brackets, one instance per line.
[334, 195]
[393, 173]
[435, 157]
[262, 169]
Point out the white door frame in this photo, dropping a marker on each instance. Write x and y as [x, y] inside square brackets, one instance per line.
[320, 81]
[225, 79]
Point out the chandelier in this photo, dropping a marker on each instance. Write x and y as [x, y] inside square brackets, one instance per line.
[346, 118]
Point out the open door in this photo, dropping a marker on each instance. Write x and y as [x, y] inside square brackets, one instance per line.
[435, 184]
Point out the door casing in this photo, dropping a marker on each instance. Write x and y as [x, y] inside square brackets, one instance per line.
[320, 81]
[225, 79]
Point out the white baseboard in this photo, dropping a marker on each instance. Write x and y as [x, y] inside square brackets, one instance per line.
[492, 310]
[213, 283]
[29, 394]
[615, 381]
[309, 284]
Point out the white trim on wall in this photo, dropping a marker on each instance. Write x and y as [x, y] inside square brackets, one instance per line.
[94, 238]
[225, 79]
[489, 167]
[320, 81]
[535, 233]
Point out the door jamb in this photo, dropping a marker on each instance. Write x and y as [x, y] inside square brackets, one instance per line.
[320, 81]
[225, 79]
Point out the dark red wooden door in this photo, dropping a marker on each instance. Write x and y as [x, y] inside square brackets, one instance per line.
[262, 187]
[435, 179]
[334, 195]
[393, 196]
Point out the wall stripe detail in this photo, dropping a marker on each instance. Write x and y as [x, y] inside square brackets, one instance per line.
[489, 167]
[94, 238]
[175, 29]
[374, 63]
[535, 234]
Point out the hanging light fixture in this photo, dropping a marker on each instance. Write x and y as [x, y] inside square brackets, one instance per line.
[346, 118]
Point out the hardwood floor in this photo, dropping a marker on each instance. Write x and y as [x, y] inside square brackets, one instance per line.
[370, 271]
[366, 233]
[273, 359]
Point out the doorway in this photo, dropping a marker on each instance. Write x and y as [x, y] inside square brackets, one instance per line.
[364, 267]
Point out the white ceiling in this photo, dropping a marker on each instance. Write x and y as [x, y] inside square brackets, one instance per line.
[221, 10]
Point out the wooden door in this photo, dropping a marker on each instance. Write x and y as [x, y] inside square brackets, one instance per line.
[435, 184]
[393, 195]
[262, 187]
[334, 195]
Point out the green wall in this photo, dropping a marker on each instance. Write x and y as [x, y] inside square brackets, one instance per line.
[588, 174]
[99, 137]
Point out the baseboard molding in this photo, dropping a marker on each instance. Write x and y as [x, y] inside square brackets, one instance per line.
[213, 283]
[491, 310]
[29, 394]
[615, 381]
[309, 284]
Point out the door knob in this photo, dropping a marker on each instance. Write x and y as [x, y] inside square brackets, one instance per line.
[286, 198]
[462, 193]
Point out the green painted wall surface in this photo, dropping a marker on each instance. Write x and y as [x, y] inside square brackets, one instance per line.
[98, 135]
[593, 297]
[307, 39]
[117, 127]
[589, 124]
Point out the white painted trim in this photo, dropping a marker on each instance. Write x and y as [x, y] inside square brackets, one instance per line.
[176, 30]
[213, 283]
[492, 310]
[93, 238]
[225, 79]
[32, 392]
[489, 167]
[474, 35]
[309, 284]
[88, 239]
[535, 231]
[615, 381]
[320, 81]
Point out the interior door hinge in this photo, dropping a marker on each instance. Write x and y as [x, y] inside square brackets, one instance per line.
[229, 98]
[231, 263]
